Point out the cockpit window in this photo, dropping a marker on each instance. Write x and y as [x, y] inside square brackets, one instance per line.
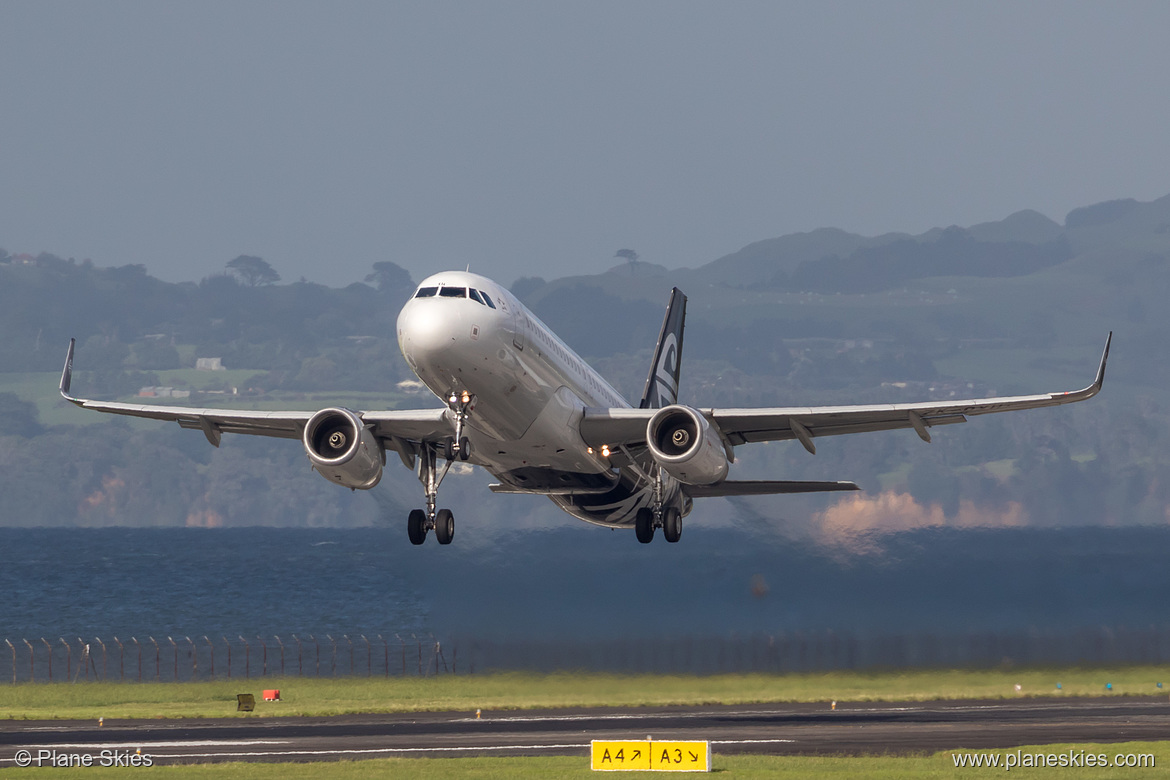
[473, 294]
[487, 300]
[453, 292]
[426, 292]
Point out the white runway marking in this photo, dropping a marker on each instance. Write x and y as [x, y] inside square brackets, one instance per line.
[370, 751]
[623, 716]
[145, 745]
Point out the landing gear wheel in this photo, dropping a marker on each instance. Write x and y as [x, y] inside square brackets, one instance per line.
[464, 449]
[671, 524]
[416, 526]
[449, 449]
[444, 526]
[644, 525]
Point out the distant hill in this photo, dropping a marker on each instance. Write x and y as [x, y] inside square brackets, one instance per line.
[1019, 305]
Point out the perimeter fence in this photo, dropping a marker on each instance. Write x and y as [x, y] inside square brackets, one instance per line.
[180, 659]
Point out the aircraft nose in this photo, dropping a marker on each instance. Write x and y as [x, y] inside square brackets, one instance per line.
[426, 327]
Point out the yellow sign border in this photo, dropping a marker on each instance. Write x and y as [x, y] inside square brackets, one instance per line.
[600, 748]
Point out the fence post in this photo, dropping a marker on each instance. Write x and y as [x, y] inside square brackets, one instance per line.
[403, 643]
[121, 660]
[332, 655]
[49, 647]
[368, 662]
[104, 670]
[300, 667]
[139, 648]
[12, 647]
[247, 658]
[385, 655]
[347, 639]
[83, 658]
[32, 677]
[274, 636]
[68, 657]
[317, 647]
[211, 649]
[175, 675]
[157, 660]
[229, 649]
[194, 660]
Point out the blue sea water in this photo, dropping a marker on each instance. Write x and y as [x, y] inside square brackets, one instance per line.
[577, 582]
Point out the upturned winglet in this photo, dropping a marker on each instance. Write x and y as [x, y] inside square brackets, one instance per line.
[1104, 359]
[67, 373]
[1093, 389]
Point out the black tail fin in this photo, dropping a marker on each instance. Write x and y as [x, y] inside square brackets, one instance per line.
[662, 383]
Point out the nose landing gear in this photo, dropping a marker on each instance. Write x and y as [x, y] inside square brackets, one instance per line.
[420, 521]
[442, 521]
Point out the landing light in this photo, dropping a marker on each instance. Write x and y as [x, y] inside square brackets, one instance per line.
[605, 450]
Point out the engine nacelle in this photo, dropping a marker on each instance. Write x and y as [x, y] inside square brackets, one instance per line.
[342, 449]
[686, 446]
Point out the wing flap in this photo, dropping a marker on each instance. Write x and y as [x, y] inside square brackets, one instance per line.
[765, 488]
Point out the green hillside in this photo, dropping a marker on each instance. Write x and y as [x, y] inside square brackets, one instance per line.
[1020, 305]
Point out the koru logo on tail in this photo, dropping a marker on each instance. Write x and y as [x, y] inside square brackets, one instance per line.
[665, 373]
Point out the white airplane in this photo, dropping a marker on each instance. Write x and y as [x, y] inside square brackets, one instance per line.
[521, 404]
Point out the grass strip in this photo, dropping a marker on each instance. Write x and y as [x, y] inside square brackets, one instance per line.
[511, 691]
[937, 765]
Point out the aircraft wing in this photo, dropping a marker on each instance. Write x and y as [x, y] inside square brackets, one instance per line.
[397, 429]
[627, 427]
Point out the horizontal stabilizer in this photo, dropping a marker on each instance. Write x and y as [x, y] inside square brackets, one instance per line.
[765, 488]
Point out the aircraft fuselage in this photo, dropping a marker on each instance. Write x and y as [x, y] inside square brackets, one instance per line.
[528, 391]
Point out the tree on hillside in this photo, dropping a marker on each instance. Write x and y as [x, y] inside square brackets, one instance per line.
[629, 255]
[388, 277]
[252, 271]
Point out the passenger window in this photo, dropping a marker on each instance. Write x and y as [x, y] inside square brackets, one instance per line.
[474, 294]
[453, 292]
[488, 300]
[426, 292]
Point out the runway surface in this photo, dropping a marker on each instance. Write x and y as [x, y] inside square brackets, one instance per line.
[853, 728]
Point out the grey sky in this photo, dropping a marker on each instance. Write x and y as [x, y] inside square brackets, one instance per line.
[540, 137]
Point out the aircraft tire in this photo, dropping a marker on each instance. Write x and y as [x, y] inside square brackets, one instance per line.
[644, 525]
[464, 449]
[416, 526]
[671, 524]
[444, 526]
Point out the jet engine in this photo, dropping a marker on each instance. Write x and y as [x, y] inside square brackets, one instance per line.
[342, 449]
[686, 446]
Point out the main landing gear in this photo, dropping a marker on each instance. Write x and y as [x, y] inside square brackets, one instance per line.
[442, 521]
[669, 518]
